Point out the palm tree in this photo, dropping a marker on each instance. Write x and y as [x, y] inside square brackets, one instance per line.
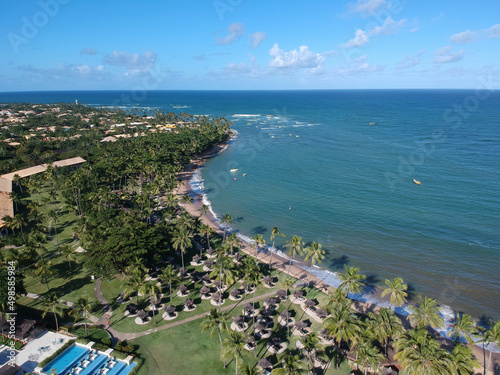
[246, 369]
[206, 230]
[342, 325]
[181, 242]
[169, 276]
[312, 348]
[385, 325]
[152, 288]
[291, 366]
[490, 337]
[314, 254]
[463, 361]
[53, 305]
[133, 284]
[82, 307]
[69, 254]
[295, 247]
[54, 217]
[232, 347]
[397, 289]
[351, 280]
[226, 220]
[464, 326]
[420, 354]
[426, 314]
[18, 223]
[215, 322]
[274, 233]
[43, 271]
[258, 241]
[231, 241]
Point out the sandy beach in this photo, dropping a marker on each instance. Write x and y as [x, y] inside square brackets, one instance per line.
[280, 263]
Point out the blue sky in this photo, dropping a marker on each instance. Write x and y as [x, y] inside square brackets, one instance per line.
[248, 44]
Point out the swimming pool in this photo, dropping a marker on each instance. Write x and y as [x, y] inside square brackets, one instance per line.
[80, 360]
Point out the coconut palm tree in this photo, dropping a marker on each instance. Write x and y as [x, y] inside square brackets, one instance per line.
[420, 354]
[342, 325]
[133, 284]
[169, 276]
[292, 365]
[53, 305]
[315, 254]
[246, 369]
[258, 241]
[351, 280]
[181, 242]
[82, 307]
[463, 326]
[69, 254]
[463, 361]
[274, 233]
[295, 247]
[232, 347]
[226, 220]
[312, 349]
[206, 230]
[369, 357]
[491, 336]
[152, 288]
[426, 314]
[215, 322]
[397, 289]
[43, 271]
[385, 325]
[19, 223]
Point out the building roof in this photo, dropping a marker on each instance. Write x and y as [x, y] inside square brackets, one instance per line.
[42, 168]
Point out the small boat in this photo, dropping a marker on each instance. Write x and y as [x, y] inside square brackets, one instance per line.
[234, 170]
[371, 123]
[244, 174]
[416, 182]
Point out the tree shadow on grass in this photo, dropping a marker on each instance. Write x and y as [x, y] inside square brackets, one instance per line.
[71, 286]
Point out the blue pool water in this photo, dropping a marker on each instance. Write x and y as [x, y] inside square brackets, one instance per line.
[75, 354]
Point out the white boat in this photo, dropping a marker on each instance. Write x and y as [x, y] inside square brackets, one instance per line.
[234, 170]
[416, 182]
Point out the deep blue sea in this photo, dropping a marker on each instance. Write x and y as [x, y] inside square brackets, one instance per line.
[337, 167]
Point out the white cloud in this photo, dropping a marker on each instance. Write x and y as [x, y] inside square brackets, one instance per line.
[445, 55]
[65, 71]
[301, 58]
[464, 37]
[234, 32]
[88, 51]
[136, 64]
[257, 38]
[359, 66]
[410, 61]
[368, 7]
[389, 27]
[360, 39]
[494, 31]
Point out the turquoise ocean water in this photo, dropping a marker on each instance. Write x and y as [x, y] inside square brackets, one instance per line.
[338, 166]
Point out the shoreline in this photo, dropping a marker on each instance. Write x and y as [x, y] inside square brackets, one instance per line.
[282, 264]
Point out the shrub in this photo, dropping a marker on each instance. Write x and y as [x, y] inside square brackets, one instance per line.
[99, 346]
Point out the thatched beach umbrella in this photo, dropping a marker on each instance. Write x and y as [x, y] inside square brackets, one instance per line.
[300, 325]
[238, 320]
[183, 289]
[250, 339]
[261, 326]
[219, 284]
[324, 333]
[209, 263]
[275, 341]
[248, 307]
[285, 315]
[247, 285]
[309, 303]
[235, 292]
[196, 258]
[170, 309]
[206, 277]
[195, 276]
[131, 308]
[265, 312]
[188, 302]
[217, 296]
[281, 293]
[271, 301]
[143, 314]
[265, 364]
[297, 293]
[210, 251]
[204, 290]
[268, 280]
[321, 313]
